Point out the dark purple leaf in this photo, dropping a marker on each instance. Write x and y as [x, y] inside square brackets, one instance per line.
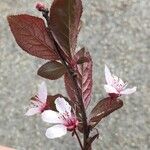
[84, 75]
[82, 60]
[90, 140]
[70, 87]
[103, 109]
[31, 35]
[52, 70]
[64, 21]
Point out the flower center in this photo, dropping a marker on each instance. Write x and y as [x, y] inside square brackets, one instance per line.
[118, 84]
[69, 121]
[43, 107]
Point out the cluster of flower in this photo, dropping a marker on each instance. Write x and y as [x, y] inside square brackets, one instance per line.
[64, 117]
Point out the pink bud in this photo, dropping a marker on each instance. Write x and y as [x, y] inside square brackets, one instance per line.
[40, 6]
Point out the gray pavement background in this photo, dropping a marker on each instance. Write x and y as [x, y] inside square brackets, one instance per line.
[117, 32]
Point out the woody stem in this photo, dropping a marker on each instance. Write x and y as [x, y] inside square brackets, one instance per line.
[71, 72]
[81, 104]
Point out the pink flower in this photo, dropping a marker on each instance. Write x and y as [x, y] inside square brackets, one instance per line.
[115, 85]
[64, 119]
[38, 105]
[40, 6]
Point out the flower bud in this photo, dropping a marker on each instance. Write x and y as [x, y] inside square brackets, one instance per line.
[40, 6]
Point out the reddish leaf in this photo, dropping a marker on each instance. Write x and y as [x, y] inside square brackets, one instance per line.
[82, 60]
[31, 35]
[72, 95]
[84, 75]
[103, 109]
[52, 70]
[84, 78]
[90, 140]
[64, 20]
[70, 87]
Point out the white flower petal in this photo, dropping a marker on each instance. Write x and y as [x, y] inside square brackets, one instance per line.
[42, 92]
[51, 117]
[108, 75]
[35, 102]
[110, 89]
[121, 82]
[63, 106]
[115, 78]
[33, 111]
[128, 91]
[56, 131]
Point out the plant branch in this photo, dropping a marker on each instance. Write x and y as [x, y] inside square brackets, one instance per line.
[78, 95]
[80, 101]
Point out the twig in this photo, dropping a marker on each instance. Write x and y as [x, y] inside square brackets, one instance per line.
[74, 80]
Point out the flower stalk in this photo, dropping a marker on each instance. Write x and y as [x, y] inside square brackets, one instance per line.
[78, 138]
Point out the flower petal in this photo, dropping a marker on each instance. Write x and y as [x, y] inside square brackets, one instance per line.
[108, 76]
[36, 103]
[33, 111]
[63, 106]
[56, 131]
[51, 117]
[42, 92]
[120, 81]
[128, 91]
[110, 89]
